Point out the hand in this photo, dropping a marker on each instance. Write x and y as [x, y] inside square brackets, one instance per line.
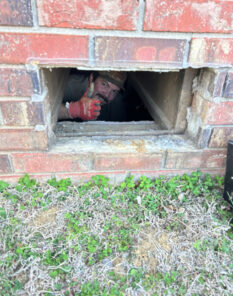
[85, 109]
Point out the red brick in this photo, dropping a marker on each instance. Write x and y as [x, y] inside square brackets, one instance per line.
[211, 52]
[15, 82]
[220, 113]
[17, 48]
[90, 14]
[220, 136]
[189, 16]
[211, 112]
[5, 167]
[23, 139]
[45, 162]
[16, 13]
[118, 51]
[219, 84]
[22, 113]
[228, 87]
[211, 83]
[128, 162]
[196, 160]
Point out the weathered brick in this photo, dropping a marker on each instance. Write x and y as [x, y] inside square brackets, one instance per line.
[189, 16]
[15, 82]
[36, 113]
[18, 48]
[101, 14]
[35, 73]
[219, 84]
[210, 52]
[200, 106]
[228, 87]
[128, 162]
[22, 113]
[212, 112]
[46, 162]
[23, 139]
[220, 113]
[16, 13]
[5, 167]
[199, 159]
[203, 138]
[211, 83]
[118, 51]
[220, 137]
[15, 113]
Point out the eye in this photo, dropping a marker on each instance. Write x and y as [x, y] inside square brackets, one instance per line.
[104, 83]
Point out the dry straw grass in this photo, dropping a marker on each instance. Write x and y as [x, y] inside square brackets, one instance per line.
[171, 236]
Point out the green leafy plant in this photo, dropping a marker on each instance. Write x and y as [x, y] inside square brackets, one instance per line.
[61, 185]
[76, 235]
[3, 213]
[128, 183]
[25, 183]
[100, 181]
[3, 185]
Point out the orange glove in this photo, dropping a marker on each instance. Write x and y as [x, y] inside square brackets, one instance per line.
[85, 109]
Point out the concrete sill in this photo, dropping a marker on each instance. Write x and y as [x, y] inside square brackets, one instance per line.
[102, 128]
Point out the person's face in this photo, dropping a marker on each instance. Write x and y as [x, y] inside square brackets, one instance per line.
[104, 90]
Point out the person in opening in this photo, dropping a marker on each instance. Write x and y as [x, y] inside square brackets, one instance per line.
[87, 93]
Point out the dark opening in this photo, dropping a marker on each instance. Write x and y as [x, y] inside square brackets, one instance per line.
[127, 105]
[152, 103]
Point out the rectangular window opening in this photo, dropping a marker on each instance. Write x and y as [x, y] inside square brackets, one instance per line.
[151, 103]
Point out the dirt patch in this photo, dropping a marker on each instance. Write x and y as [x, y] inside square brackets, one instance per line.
[44, 218]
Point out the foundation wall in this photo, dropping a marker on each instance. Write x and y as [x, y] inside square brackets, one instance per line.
[128, 35]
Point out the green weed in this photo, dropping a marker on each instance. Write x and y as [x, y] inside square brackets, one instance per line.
[127, 211]
[61, 185]
[3, 185]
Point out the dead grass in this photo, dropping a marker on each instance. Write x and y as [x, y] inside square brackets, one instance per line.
[167, 237]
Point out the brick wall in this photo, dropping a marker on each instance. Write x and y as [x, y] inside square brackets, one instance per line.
[113, 34]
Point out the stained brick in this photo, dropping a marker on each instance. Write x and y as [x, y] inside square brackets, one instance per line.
[101, 14]
[16, 13]
[15, 82]
[15, 113]
[36, 113]
[5, 166]
[192, 160]
[211, 112]
[22, 113]
[210, 52]
[219, 84]
[228, 88]
[45, 162]
[189, 16]
[128, 162]
[220, 113]
[220, 137]
[211, 83]
[25, 139]
[118, 51]
[43, 48]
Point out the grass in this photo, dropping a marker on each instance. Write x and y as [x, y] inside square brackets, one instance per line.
[168, 236]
